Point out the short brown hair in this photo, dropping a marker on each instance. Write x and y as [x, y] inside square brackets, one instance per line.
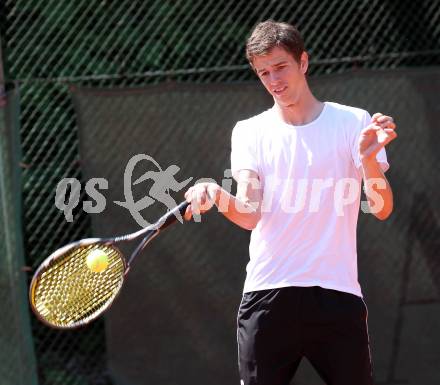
[270, 34]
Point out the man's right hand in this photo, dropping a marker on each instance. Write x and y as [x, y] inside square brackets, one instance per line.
[243, 209]
[201, 196]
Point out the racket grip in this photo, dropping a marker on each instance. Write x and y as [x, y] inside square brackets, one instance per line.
[170, 217]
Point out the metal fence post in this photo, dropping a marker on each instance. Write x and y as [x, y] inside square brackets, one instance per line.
[17, 358]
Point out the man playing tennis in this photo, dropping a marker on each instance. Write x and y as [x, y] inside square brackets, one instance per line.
[299, 167]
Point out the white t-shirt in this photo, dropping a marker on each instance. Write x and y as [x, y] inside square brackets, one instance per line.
[312, 183]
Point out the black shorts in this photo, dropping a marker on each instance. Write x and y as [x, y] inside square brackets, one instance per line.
[277, 327]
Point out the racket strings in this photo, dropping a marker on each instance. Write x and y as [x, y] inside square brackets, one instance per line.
[68, 293]
[82, 293]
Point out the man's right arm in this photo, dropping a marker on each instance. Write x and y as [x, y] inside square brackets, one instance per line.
[244, 209]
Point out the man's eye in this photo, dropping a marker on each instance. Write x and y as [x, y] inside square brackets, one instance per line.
[263, 73]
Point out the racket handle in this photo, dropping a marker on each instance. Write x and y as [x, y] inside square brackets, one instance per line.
[170, 217]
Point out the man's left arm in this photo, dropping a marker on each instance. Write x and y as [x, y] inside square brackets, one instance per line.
[372, 139]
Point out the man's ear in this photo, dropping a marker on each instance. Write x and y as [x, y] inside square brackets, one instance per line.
[304, 62]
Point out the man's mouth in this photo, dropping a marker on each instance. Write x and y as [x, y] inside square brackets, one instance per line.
[279, 90]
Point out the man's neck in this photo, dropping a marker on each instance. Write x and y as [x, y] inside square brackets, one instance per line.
[301, 113]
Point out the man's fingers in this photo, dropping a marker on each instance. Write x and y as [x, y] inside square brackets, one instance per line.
[387, 125]
[391, 133]
[392, 125]
[201, 196]
[379, 127]
[371, 128]
[383, 118]
[188, 214]
[211, 192]
[386, 136]
[188, 195]
[376, 116]
[384, 121]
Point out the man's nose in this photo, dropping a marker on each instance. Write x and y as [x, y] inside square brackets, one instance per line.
[274, 77]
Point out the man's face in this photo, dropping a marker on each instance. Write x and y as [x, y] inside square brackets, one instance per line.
[282, 75]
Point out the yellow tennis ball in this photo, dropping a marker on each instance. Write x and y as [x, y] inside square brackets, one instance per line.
[97, 261]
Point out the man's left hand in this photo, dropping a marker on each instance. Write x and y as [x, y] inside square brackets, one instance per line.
[376, 135]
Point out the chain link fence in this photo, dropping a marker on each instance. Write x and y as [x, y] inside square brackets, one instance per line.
[49, 45]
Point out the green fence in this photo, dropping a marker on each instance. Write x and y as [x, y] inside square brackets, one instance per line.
[50, 44]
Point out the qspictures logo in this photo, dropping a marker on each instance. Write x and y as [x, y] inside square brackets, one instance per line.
[288, 195]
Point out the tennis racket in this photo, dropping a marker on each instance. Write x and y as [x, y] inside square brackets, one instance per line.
[65, 293]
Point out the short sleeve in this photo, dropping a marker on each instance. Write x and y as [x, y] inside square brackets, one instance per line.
[381, 155]
[243, 149]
